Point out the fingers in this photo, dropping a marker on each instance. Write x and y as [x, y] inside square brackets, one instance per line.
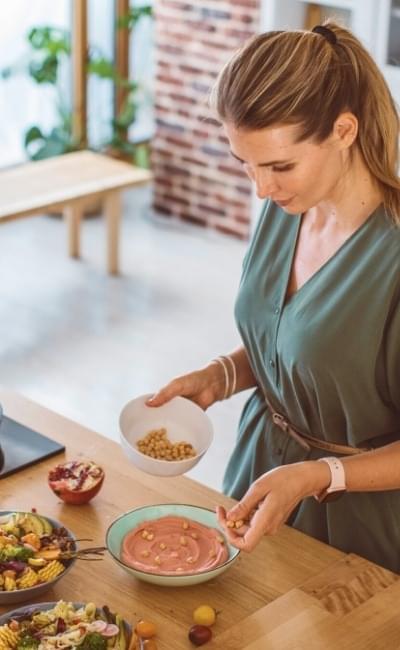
[221, 515]
[267, 519]
[195, 386]
[257, 530]
[249, 533]
[264, 508]
[232, 534]
[257, 514]
[244, 509]
[165, 394]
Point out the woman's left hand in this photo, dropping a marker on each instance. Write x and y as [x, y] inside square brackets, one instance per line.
[269, 501]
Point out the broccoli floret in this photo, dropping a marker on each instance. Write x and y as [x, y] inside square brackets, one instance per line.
[21, 553]
[28, 642]
[93, 641]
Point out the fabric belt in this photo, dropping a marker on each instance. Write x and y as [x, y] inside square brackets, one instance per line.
[309, 442]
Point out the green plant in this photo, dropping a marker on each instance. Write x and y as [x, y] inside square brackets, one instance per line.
[49, 46]
[49, 50]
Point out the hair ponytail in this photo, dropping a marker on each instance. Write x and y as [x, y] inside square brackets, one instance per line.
[301, 77]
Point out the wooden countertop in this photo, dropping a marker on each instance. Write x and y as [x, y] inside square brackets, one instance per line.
[292, 592]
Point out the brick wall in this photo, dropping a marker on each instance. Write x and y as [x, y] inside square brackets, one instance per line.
[195, 177]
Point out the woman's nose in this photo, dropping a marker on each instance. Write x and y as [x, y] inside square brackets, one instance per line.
[265, 184]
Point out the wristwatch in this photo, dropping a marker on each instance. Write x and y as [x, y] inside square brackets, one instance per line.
[337, 485]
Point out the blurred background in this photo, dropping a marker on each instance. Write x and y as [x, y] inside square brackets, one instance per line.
[130, 79]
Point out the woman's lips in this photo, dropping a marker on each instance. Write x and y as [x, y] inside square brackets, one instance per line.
[283, 204]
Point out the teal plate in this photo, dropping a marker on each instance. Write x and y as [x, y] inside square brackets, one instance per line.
[129, 520]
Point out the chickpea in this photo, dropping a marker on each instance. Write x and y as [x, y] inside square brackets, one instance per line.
[157, 445]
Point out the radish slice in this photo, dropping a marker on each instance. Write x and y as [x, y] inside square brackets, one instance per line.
[98, 626]
[111, 630]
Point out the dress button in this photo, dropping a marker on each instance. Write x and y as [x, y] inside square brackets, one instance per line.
[272, 363]
[276, 311]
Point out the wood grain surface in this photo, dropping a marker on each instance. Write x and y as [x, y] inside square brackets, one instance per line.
[291, 592]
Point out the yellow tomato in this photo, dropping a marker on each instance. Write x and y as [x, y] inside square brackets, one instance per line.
[204, 615]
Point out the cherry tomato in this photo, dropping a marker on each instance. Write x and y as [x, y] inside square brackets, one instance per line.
[204, 615]
[199, 634]
[145, 629]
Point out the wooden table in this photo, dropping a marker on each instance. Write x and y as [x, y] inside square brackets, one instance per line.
[67, 183]
[292, 592]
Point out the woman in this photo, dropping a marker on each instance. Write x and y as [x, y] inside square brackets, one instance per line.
[310, 118]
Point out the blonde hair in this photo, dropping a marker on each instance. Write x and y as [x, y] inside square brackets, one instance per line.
[299, 77]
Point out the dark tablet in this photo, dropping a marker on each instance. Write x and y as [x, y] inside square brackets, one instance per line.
[23, 447]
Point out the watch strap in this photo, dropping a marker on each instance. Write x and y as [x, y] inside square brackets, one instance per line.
[337, 485]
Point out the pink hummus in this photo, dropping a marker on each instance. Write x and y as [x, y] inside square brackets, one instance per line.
[174, 546]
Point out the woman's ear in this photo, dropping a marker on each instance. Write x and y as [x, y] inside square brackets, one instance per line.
[345, 129]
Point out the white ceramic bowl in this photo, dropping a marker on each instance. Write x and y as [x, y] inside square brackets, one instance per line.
[129, 520]
[182, 419]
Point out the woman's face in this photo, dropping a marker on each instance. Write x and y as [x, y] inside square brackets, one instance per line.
[295, 175]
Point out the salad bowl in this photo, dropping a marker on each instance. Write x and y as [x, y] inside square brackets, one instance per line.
[27, 572]
[64, 624]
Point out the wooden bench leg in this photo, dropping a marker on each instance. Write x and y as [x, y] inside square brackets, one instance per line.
[72, 216]
[112, 213]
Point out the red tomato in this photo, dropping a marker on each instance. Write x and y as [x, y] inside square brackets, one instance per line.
[76, 481]
[199, 634]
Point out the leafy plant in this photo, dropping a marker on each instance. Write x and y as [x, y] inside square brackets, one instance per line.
[50, 48]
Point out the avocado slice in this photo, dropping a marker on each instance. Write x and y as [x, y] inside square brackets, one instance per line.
[47, 526]
[27, 522]
[32, 523]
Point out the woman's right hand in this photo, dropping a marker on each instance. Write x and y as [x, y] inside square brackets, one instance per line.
[204, 387]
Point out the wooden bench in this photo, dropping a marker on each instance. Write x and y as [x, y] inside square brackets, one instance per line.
[67, 183]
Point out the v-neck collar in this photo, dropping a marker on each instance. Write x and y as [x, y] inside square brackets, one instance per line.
[358, 231]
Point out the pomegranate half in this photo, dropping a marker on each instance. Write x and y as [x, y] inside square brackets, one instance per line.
[76, 481]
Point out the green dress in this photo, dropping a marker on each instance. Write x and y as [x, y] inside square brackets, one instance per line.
[330, 357]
